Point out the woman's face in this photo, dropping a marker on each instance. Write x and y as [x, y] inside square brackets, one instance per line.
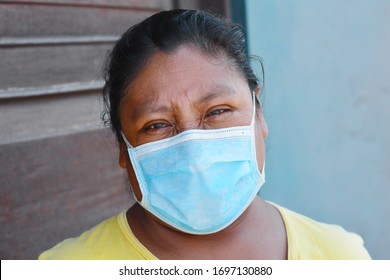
[185, 90]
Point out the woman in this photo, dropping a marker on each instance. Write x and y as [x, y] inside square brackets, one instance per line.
[182, 100]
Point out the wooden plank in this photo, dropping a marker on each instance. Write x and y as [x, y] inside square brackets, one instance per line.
[48, 65]
[28, 119]
[56, 188]
[149, 4]
[19, 42]
[70, 88]
[45, 21]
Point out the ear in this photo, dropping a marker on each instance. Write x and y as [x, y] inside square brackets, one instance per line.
[260, 116]
[122, 154]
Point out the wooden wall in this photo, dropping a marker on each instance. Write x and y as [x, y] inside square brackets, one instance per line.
[58, 165]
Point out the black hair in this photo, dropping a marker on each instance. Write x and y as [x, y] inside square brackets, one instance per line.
[166, 31]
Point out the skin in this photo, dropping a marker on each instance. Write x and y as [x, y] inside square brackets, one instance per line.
[188, 89]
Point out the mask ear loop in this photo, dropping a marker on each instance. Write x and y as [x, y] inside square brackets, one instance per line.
[254, 111]
[254, 98]
[127, 142]
[129, 152]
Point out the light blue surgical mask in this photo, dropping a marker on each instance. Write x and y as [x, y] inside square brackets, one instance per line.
[199, 181]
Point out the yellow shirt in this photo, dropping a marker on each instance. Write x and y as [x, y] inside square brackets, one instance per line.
[307, 239]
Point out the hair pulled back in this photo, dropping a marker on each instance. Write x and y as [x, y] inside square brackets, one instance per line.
[166, 31]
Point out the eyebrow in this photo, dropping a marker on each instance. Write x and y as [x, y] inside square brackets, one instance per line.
[217, 91]
[149, 106]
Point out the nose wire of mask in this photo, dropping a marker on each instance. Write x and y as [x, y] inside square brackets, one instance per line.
[199, 181]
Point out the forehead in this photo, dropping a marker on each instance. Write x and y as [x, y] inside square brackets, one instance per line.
[185, 73]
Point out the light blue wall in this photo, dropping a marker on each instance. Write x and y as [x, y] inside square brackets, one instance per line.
[327, 105]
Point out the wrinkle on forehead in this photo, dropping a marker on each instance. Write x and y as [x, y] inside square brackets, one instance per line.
[153, 104]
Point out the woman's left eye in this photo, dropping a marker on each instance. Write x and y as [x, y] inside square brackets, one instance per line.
[156, 126]
[216, 112]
